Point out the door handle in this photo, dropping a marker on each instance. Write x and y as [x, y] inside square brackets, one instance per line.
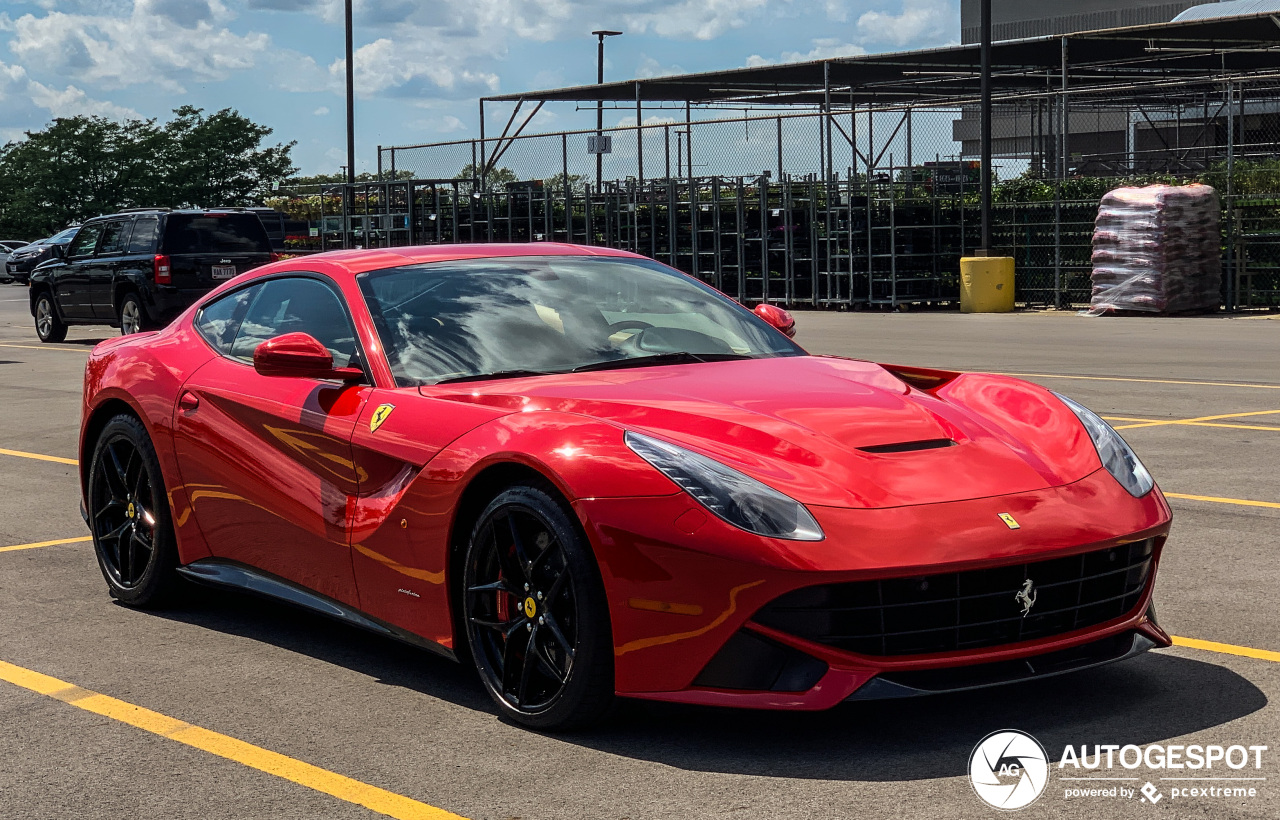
[188, 401]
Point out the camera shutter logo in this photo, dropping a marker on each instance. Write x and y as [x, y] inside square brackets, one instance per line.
[1008, 769]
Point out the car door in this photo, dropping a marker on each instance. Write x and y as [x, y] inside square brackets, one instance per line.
[70, 275]
[100, 277]
[267, 460]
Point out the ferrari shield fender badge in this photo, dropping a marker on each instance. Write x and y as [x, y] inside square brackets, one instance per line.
[1009, 520]
[1026, 596]
[379, 416]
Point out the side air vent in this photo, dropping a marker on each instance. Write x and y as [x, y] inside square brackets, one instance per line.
[909, 446]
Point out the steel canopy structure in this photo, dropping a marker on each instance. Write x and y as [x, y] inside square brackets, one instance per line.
[1128, 60]
[848, 182]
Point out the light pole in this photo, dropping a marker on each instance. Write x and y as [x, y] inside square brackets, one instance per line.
[351, 104]
[600, 35]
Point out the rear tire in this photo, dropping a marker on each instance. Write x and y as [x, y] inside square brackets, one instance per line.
[534, 611]
[49, 326]
[129, 516]
[132, 315]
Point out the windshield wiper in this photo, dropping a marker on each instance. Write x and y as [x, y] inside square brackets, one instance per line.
[680, 357]
[499, 374]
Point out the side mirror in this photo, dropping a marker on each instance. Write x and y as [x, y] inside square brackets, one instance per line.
[57, 251]
[300, 355]
[778, 318]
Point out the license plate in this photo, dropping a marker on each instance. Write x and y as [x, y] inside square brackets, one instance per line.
[224, 271]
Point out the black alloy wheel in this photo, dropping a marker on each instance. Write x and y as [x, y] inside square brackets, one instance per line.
[129, 515]
[49, 326]
[535, 613]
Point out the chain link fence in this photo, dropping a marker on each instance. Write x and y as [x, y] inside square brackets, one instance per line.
[854, 208]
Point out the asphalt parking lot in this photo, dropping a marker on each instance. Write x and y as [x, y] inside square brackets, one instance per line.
[329, 722]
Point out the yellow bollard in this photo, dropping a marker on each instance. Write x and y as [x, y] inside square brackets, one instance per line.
[986, 284]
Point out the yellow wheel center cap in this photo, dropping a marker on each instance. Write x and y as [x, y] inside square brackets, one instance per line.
[530, 608]
[130, 512]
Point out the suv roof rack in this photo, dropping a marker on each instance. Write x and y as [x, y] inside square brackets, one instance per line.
[141, 210]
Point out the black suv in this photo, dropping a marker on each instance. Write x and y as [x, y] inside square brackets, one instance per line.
[138, 270]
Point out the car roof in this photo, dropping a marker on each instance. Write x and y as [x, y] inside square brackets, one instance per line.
[360, 261]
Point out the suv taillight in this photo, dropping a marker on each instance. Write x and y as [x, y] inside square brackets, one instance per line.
[164, 273]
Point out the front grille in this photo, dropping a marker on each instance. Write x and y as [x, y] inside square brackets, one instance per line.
[966, 610]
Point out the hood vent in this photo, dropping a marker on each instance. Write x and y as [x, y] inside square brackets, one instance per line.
[909, 446]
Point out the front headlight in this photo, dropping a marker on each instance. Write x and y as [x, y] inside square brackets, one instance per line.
[1116, 454]
[739, 499]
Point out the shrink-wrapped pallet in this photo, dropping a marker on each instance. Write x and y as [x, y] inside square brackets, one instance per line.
[1157, 249]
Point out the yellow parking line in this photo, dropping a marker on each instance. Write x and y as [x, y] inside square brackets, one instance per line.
[48, 347]
[1273, 428]
[37, 456]
[1227, 649]
[1166, 422]
[39, 544]
[1244, 502]
[304, 774]
[1145, 381]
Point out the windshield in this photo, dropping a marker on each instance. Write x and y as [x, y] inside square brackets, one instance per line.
[552, 314]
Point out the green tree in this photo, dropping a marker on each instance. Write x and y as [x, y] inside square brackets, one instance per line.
[217, 160]
[80, 167]
[493, 178]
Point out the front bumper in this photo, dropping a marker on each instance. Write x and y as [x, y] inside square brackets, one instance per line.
[682, 584]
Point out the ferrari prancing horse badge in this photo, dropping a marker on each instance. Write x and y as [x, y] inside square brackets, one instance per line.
[380, 415]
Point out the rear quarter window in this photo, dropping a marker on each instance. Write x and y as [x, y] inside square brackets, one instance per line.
[215, 233]
[219, 321]
[145, 232]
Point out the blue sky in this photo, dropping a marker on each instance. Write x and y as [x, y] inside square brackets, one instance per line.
[420, 64]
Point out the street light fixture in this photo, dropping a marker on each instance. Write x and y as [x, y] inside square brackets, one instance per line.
[600, 35]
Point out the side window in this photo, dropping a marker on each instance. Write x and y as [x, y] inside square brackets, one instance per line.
[145, 232]
[219, 321]
[297, 305]
[115, 237]
[86, 240]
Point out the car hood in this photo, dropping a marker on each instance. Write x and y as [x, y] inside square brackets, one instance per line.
[827, 430]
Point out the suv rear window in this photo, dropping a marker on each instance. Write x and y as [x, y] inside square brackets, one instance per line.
[215, 233]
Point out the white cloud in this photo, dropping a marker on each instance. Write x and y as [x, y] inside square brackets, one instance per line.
[160, 42]
[417, 67]
[919, 21]
[448, 124]
[72, 101]
[649, 67]
[824, 48]
[321, 111]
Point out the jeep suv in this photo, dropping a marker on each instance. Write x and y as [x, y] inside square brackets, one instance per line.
[137, 270]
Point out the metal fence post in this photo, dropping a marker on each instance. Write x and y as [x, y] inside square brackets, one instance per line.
[779, 149]
[479, 171]
[1230, 267]
[639, 138]
[568, 189]
[1057, 245]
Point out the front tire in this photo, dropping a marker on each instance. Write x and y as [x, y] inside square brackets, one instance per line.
[129, 516]
[49, 326]
[535, 614]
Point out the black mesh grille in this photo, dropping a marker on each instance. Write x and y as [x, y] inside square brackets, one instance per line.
[966, 610]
